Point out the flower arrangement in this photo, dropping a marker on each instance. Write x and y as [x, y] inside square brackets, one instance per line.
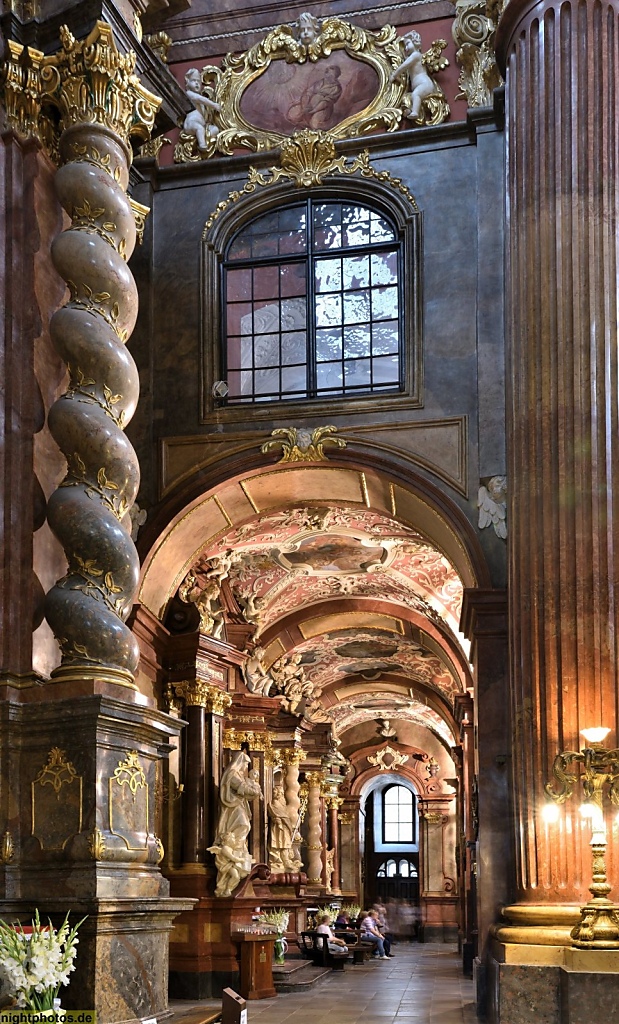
[352, 909]
[36, 960]
[277, 920]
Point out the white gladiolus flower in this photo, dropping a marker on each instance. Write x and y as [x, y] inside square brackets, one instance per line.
[36, 962]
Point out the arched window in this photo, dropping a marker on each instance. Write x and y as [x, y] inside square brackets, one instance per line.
[391, 869]
[313, 304]
[398, 815]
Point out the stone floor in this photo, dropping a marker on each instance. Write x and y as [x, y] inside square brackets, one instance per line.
[423, 984]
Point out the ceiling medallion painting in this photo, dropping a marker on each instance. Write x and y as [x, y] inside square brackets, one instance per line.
[323, 76]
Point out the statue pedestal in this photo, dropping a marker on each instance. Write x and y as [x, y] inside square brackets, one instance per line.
[256, 964]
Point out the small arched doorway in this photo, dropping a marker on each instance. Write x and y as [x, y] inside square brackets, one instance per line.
[389, 840]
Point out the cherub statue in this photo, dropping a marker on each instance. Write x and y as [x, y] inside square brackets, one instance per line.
[492, 505]
[252, 610]
[256, 676]
[425, 101]
[206, 599]
[233, 860]
[199, 121]
[306, 28]
[420, 84]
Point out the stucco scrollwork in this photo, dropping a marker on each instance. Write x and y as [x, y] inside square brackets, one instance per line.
[473, 32]
[301, 445]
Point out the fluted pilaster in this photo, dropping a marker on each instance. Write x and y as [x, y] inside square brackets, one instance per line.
[562, 69]
[101, 104]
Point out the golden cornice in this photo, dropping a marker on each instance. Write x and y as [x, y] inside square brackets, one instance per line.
[197, 693]
[307, 157]
[87, 82]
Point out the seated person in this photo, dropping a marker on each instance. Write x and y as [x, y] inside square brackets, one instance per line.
[342, 922]
[371, 933]
[335, 945]
[381, 921]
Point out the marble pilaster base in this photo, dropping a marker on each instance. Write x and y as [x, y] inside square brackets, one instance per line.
[122, 961]
[551, 985]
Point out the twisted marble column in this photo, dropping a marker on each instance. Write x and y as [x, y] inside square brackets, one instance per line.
[314, 825]
[290, 761]
[101, 104]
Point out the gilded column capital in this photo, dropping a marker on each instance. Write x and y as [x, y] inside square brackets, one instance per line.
[473, 32]
[335, 802]
[291, 755]
[87, 81]
[91, 82]
[197, 693]
[315, 779]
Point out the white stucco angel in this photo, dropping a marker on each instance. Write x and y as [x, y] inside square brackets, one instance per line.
[199, 121]
[492, 504]
[256, 676]
[421, 85]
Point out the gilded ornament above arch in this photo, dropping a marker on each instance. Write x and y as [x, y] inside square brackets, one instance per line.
[306, 159]
[353, 75]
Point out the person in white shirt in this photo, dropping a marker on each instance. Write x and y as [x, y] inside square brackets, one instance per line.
[335, 945]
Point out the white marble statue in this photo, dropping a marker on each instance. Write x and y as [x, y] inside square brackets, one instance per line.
[282, 830]
[386, 730]
[256, 676]
[421, 85]
[232, 857]
[199, 121]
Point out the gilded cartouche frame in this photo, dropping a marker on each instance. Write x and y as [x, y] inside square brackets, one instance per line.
[380, 50]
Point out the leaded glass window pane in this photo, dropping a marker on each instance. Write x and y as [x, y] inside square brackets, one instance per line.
[304, 324]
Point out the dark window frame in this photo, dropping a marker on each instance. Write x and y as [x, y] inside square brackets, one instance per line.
[310, 257]
[374, 193]
[405, 844]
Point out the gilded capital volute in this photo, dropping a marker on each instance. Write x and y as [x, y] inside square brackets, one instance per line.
[197, 693]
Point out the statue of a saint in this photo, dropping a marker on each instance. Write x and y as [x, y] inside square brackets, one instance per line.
[238, 786]
[282, 855]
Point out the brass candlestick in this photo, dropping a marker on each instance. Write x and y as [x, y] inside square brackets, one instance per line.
[598, 927]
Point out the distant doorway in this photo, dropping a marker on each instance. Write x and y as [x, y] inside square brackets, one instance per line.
[391, 843]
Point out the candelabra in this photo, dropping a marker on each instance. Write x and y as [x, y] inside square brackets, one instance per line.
[598, 927]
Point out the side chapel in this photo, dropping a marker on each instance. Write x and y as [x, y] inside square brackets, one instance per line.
[308, 436]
